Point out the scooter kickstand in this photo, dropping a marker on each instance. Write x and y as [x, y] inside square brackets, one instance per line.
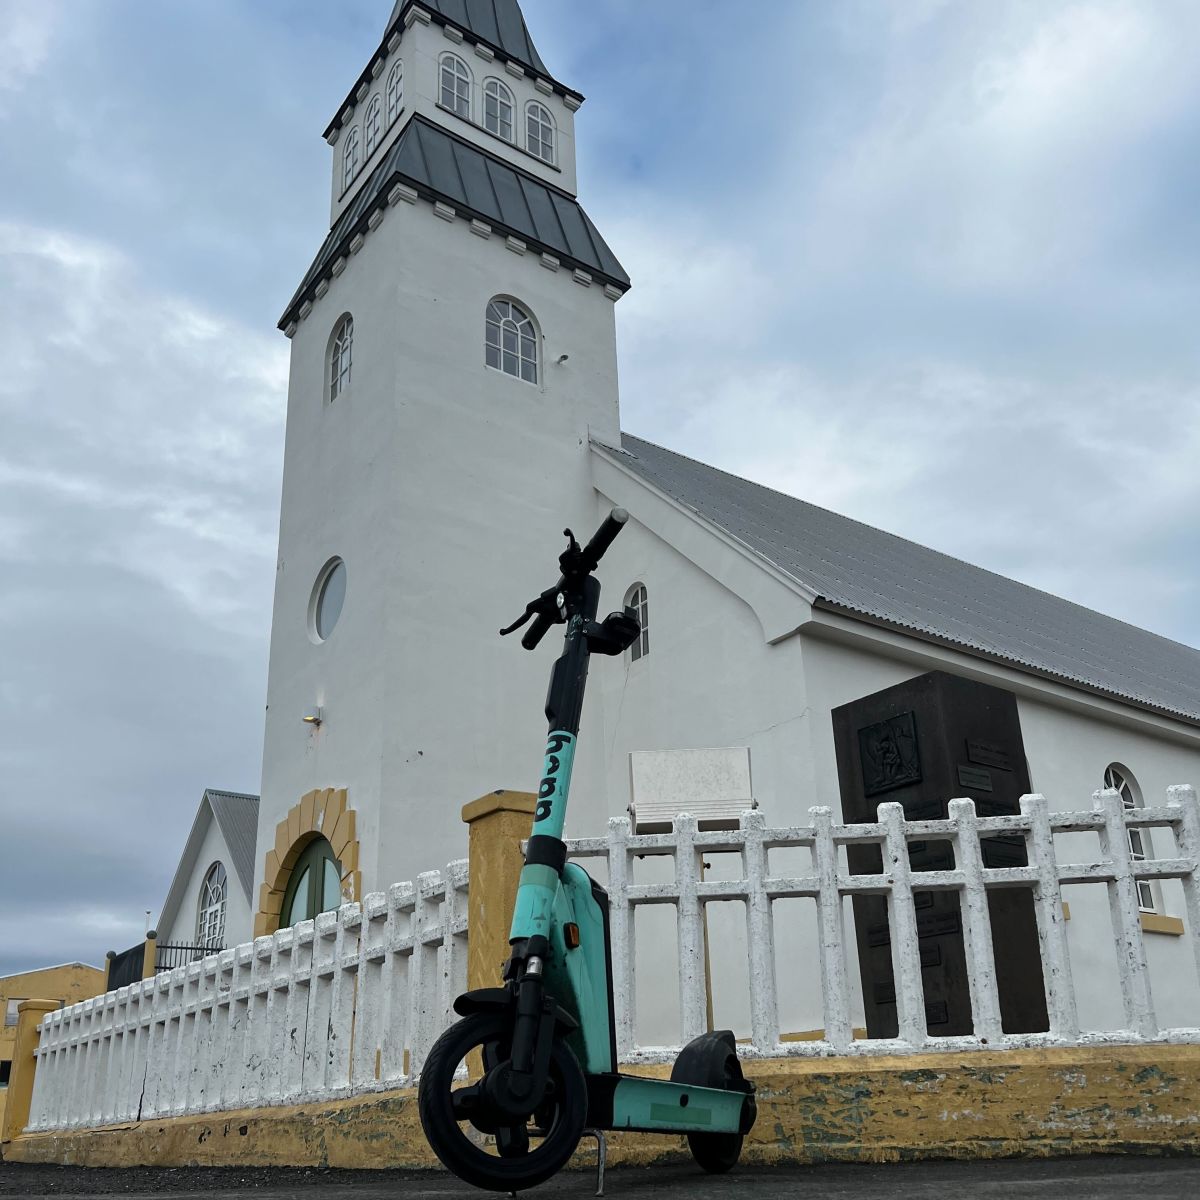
[601, 1156]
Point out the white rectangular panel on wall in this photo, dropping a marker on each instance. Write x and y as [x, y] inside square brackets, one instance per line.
[713, 785]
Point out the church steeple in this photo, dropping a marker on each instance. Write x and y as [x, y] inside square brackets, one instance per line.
[453, 355]
[469, 66]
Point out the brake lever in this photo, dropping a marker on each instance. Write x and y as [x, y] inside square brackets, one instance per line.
[530, 609]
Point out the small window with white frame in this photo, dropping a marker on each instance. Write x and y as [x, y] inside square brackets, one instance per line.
[10, 1010]
[455, 91]
[539, 131]
[341, 356]
[1120, 780]
[639, 600]
[351, 157]
[395, 92]
[511, 340]
[498, 109]
[373, 124]
[210, 915]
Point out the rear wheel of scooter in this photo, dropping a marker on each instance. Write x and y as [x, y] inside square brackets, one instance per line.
[711, 1061]
[479, 1150]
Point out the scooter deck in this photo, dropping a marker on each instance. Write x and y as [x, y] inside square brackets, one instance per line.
[660, 1106]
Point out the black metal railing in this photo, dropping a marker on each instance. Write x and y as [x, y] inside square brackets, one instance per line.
[125, 967]
[167, 958]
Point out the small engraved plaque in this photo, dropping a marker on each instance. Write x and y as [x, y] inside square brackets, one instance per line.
[975, 778]
[988, 754]
[889, 754]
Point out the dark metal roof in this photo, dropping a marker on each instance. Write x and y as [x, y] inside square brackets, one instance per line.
[853, 567]
[497, 24]
[443, 167]
[237, 816]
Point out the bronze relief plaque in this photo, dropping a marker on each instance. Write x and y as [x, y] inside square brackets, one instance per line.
[889, 754]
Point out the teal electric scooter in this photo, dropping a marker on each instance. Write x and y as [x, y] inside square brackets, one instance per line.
[507, 1092]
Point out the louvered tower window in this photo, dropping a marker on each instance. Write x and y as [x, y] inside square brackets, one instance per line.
[539, 132]
[456, 86]
[498, 109]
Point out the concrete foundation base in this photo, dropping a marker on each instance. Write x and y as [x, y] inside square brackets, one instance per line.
[1035, 1103]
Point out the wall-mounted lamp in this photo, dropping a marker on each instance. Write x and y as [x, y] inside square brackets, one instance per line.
[562, 358]
[314, 717]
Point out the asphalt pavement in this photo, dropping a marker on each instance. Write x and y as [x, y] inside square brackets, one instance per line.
[1115, 1178]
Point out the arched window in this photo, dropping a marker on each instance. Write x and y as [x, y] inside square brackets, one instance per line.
[395, 92]
[341, 355]
[539, 131]
[373, 124]
[456, 86]
[1120, 779]
[498, 109]
[314, 886]
[511, 340]
[351, 157]
[638, 600]
[210, 918]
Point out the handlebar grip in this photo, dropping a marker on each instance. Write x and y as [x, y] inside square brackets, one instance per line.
[538, 630]
[604, 537]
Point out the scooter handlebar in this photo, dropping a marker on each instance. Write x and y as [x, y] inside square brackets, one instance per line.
[542, 624]
[604, 537]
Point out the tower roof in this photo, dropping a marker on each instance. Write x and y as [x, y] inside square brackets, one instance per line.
[500, 23]
[477, 186]
[496, 24]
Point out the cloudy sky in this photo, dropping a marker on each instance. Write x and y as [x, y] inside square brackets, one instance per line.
[931, 263]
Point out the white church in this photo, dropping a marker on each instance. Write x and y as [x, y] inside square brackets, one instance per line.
[453, 405]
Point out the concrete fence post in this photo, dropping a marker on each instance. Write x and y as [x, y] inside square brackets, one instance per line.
[24, 1066]
[497, 824]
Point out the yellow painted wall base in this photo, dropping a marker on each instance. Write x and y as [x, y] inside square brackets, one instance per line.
[1032, 1103]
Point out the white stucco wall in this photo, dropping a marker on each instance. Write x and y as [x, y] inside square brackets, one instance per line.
[420, 49]
[444, 486]
[239, 922]
[711, 679]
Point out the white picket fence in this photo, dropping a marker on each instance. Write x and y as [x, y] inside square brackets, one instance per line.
[351, 1003]
[346, 1004]
[688, 893]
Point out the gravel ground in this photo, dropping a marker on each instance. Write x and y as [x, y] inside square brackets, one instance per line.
[1061, 1179]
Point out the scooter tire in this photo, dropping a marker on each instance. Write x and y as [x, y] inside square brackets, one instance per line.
[711, 1061]
[457, 1151]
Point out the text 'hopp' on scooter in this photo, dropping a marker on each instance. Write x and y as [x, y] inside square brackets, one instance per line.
[546, 1040]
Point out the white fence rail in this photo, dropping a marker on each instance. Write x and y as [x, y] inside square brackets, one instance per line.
[345, 1004]
[352, 1002]
[828, 884]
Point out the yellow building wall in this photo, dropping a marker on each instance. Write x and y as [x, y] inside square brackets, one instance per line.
[67, 984]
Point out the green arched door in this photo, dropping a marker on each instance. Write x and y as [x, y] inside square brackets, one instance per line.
[315, 885]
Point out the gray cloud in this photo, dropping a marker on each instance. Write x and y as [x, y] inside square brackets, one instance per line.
[139, 479]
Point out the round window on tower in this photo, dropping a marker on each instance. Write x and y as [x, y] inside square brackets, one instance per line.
[328, 596]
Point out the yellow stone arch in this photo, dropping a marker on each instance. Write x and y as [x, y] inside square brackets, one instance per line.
[322, 813]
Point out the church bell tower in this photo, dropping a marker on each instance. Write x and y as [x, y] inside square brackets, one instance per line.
[452, 353]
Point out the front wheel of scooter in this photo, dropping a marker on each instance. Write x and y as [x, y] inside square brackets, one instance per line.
[480, 1151]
